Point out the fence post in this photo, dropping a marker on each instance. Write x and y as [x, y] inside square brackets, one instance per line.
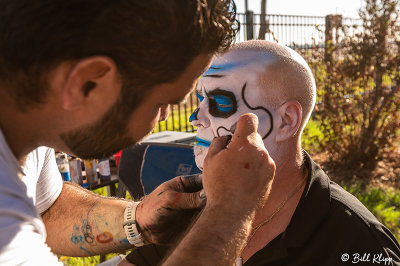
[331, 22]
[328, 38]
[249, 25]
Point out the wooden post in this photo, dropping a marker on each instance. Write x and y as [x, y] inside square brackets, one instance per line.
[331, 22]
[249, 25]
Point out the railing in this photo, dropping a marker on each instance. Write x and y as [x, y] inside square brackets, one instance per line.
[178, 119]
[298, 32]
[292, 31]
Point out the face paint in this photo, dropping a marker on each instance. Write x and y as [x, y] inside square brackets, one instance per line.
[222, 103]
[226, 91]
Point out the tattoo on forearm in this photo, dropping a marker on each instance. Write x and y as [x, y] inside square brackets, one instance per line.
[87, 232]
[105, 237]
[83, 234]
[76, 237]
[94, 230]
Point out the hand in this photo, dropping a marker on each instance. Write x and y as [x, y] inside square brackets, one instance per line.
[238, 177]
[168, 211]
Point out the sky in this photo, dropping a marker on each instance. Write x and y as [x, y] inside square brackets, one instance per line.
[348, 8]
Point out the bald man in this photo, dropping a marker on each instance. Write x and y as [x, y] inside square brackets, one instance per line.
[308, 219]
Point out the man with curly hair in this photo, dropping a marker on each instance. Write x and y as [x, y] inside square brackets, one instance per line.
[90, 77]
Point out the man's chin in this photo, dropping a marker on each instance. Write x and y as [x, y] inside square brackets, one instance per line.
[200, 153]
[92, 149]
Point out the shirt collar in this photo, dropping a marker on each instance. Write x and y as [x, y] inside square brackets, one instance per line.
[310, 212]
[312, 208]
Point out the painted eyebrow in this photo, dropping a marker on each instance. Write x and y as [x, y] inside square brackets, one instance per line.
[213, 76]
[219, 91]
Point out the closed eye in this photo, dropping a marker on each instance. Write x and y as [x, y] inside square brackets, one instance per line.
[224, 103]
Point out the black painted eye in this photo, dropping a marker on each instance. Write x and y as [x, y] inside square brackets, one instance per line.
[222, 103]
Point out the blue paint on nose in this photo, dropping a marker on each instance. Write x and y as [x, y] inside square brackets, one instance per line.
[193, 116]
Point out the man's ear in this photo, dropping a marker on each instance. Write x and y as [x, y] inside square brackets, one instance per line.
[90, 80]
[289, 121]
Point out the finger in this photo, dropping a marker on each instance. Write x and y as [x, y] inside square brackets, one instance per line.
[247, 125]
[218, 144]
[188, 201]
[191, 183]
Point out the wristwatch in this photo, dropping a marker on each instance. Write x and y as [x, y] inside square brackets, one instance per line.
[129, 225]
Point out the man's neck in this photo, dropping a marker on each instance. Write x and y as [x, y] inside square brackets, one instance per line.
[19, 128]
[279, 208]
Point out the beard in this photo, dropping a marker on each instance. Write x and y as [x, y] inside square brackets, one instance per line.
[110, 133]
[100, 140]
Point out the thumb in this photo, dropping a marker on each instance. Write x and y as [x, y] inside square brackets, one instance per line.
[191, 200]
[246, 126]
[218, 144]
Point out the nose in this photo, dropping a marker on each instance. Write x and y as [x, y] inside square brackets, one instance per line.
[199, 116]
[193, 116]
[164, 112]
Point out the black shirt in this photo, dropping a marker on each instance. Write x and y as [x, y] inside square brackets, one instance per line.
[329, 227]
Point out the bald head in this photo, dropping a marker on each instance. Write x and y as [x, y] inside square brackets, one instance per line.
[282, 73]
[260, 77]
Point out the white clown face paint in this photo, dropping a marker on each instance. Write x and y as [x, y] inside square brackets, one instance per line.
[227, 90]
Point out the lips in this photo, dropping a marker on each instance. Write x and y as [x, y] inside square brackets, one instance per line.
[203, 142]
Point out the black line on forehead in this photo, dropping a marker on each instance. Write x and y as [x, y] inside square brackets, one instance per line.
[213, 76]
[258, 108]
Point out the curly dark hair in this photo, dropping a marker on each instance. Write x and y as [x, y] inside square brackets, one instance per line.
[151, 41]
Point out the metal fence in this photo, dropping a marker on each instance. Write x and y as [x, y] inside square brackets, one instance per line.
[298, 32]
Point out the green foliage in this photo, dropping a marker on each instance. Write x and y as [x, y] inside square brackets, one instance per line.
[84, 261]
[383, 203]
[358, 80]
[312, 139]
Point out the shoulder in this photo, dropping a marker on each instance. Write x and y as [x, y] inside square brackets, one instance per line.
[347, 206]
[356, 226]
